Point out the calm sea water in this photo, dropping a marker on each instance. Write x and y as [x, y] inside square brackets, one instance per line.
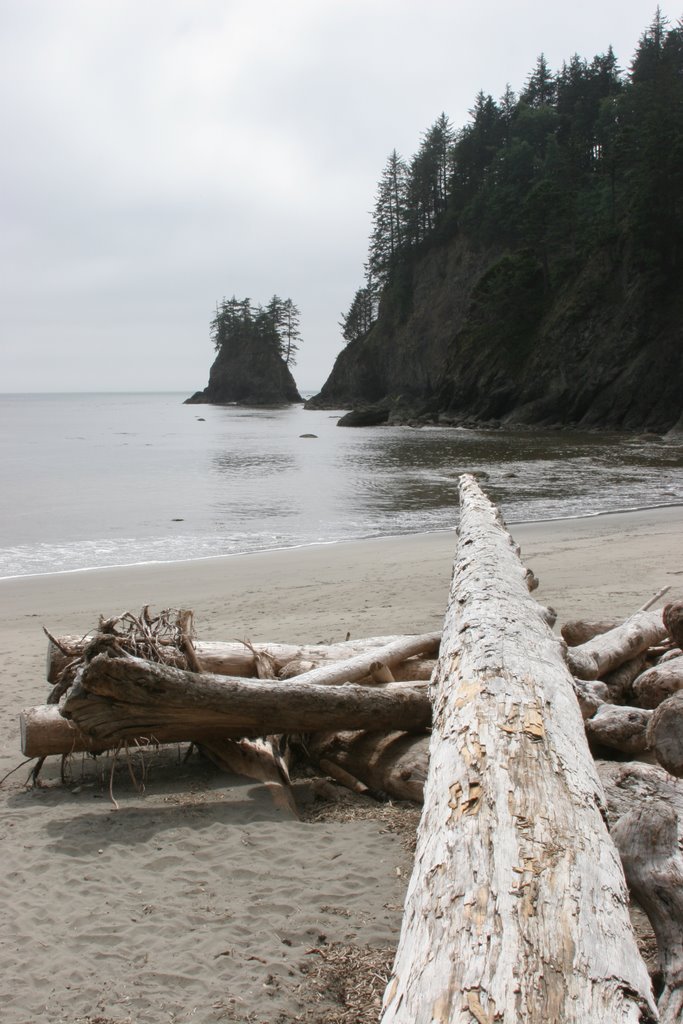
[111, 479]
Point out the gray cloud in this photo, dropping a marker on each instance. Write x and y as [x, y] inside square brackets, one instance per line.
[161, 155]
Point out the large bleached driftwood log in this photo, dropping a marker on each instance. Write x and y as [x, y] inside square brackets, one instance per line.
[517, 908]
[607, 651]
[120, 698]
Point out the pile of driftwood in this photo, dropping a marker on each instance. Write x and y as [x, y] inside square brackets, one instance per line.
[517, 909]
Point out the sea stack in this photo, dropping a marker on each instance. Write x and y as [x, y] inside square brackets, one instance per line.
[255, 348]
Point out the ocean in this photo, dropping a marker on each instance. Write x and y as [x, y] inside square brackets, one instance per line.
[93, 480]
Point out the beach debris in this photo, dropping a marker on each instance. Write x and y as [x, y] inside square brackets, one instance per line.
[503, 706]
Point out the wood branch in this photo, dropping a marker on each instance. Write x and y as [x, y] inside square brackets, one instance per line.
[238, 658]
[655, 598]
[517, 908]
[659, 682]
[118, 698]
[620, 728]
[394, 763]
[647, 840]
[369, 662]
[665, 734]
[595, 658]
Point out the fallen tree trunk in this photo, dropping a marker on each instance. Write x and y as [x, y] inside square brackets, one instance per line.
[120, 698]
[394, 763]
[240, 659]
[607, 651]
[647, 840]
[517, 908]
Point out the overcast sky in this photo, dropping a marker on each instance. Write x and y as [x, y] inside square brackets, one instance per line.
[160, 154]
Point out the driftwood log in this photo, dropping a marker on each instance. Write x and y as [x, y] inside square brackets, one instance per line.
[655, 684]
[647, 840]
[517, 908]
[619, 727]
[578, 631]
[116, 699]
[665, 734]
[607, 651]
[394, 763]
[241, 659]
[673, 620]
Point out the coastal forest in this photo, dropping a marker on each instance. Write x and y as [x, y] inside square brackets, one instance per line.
[526, 267]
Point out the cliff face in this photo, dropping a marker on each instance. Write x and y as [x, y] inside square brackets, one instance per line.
[473, 335]
[248, 373]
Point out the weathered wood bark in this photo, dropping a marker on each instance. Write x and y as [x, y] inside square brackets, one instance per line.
[647, 840]
[239, 659]
[394, 763]
[659, 682]
[665, 734]
[620, 728]
[517, 907]
[118, 698]
[604, 653]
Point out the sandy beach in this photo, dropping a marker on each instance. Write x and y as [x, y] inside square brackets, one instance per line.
[196, 901]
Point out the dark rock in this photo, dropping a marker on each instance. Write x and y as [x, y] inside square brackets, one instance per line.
[368, 416]
[308, 435]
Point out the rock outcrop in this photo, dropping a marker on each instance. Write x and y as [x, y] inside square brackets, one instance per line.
[474, 335]
[249, 373]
